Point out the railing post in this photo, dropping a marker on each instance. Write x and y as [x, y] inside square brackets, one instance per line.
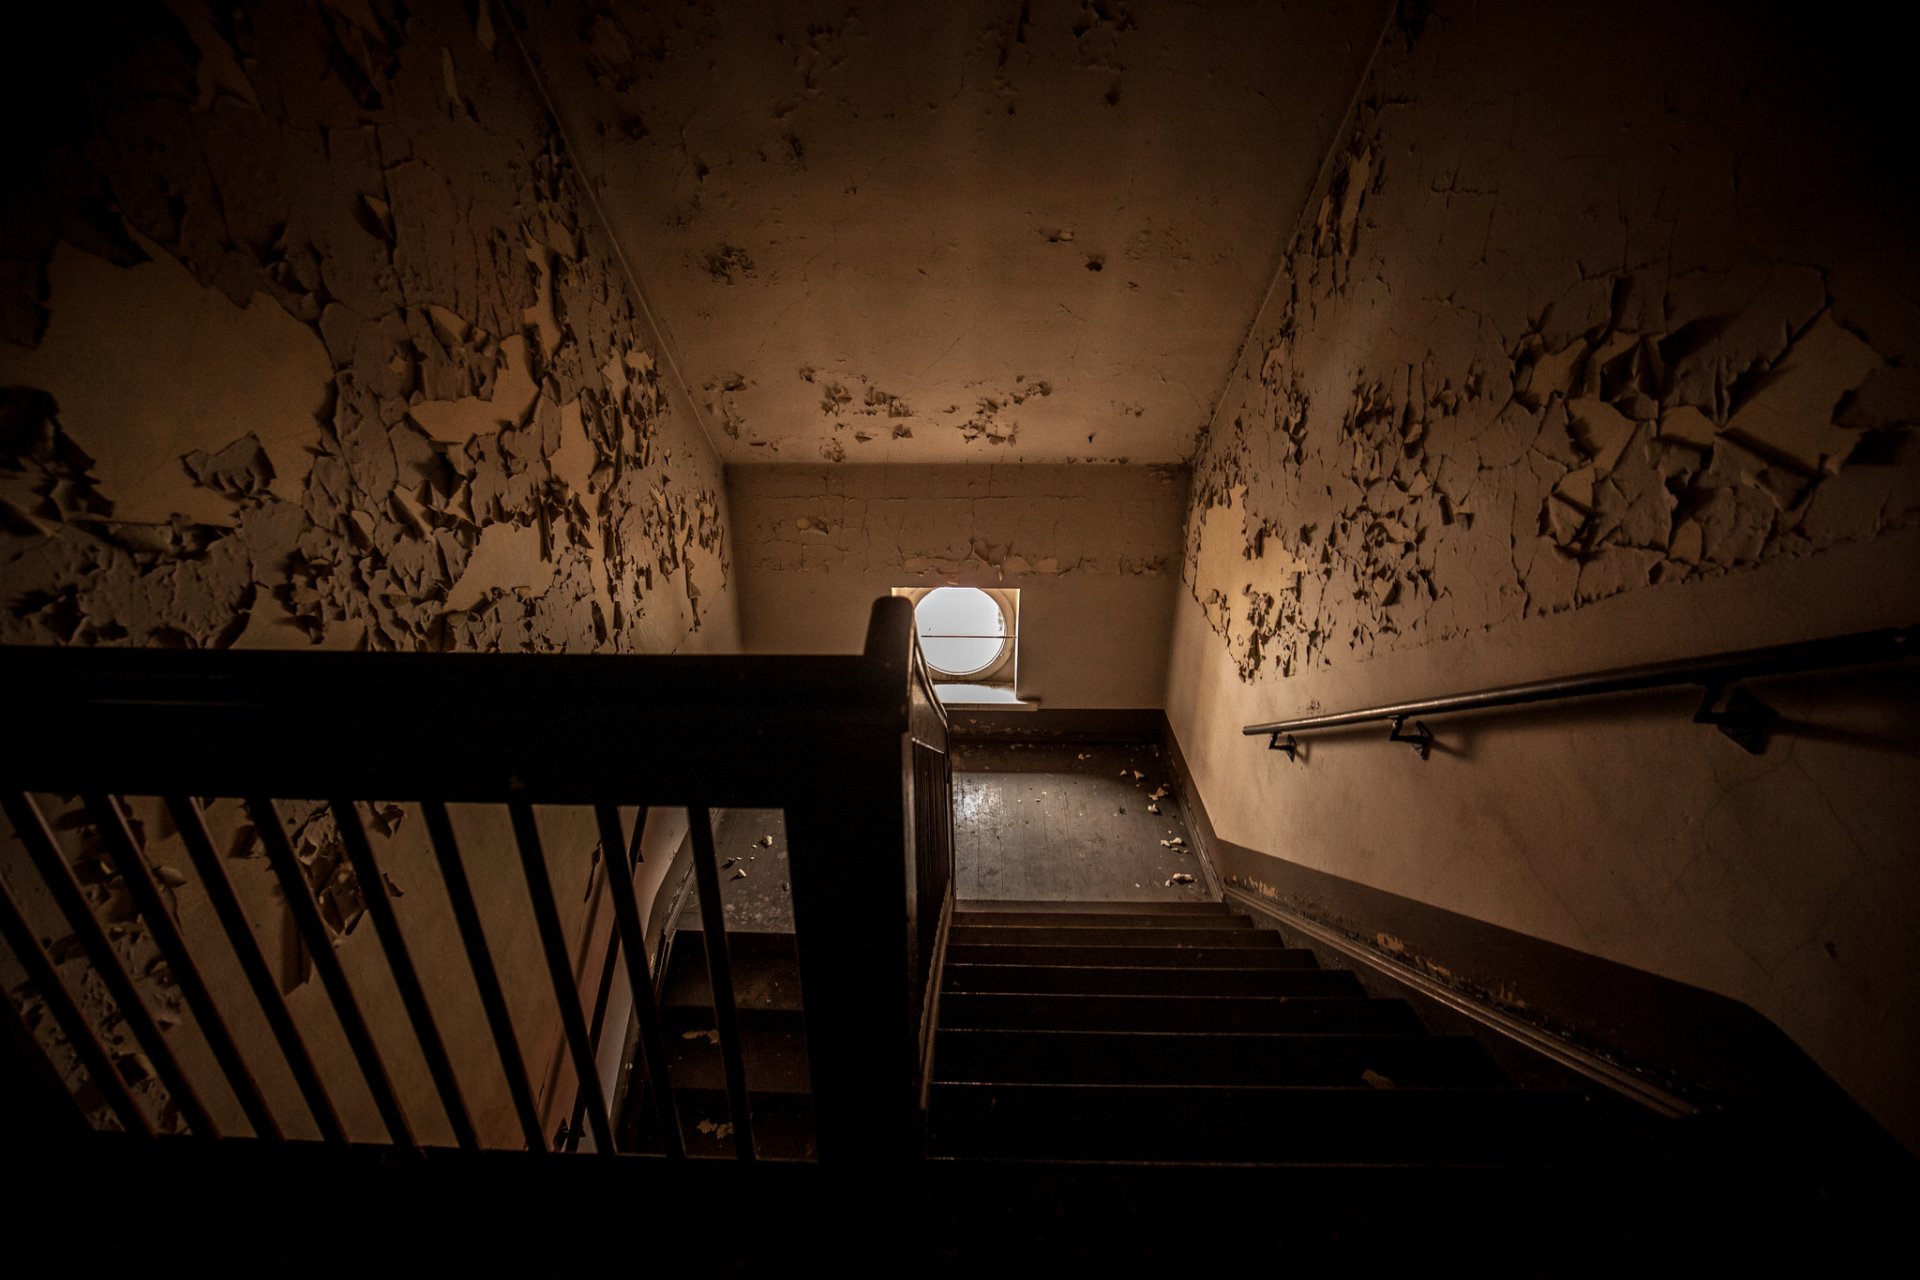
[849, 843]
[847, 851]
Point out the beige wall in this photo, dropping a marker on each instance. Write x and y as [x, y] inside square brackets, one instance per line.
[1094, 551]
[1580, 357]
[311, 338]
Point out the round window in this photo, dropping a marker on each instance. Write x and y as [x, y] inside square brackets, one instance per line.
[963, 630]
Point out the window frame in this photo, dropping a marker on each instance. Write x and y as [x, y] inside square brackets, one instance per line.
[1003, 671]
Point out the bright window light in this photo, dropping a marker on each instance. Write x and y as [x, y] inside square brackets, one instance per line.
[963, 630]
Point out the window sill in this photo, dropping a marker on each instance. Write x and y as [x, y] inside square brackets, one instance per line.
[982, 697]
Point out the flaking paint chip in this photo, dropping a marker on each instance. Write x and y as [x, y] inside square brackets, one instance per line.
[739, 873]
[1179, 877]
[1177, 842]
[1153, 808]
[764, 842]
[711, 1035]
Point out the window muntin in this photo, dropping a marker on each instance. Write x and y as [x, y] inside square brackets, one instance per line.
[963, 631]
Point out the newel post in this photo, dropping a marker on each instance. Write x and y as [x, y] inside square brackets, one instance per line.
[849, 844]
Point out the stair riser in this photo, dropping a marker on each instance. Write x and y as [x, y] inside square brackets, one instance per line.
[775, 1061]
[995, 906]
[1306, 1125]
[783, 1126]
[1096, 980]
[1091, 1057]
[1163, 1013]
[754, 987]
[1102, 936]
[1064, 921]
[1133, 957]
[679, 1018]
[743, 947]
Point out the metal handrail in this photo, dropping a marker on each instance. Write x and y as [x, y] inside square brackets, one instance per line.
[1735, 712]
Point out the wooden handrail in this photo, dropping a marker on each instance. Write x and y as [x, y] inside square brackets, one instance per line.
[851, 748]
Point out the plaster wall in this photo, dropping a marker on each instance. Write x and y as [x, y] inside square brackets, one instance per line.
[1094, 551]
[309, 338]
[1590, 349]
[983, 231]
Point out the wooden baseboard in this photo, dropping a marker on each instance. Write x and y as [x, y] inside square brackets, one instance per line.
[1568, 1056]
[1548, 1011]
[1091, 724]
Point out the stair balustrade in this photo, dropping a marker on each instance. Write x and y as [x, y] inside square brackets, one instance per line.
[852, 748]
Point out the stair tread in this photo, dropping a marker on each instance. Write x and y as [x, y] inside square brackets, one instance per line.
[1109, 936]
[1130, 957]
[1261, 1124]
[783, 1126]
[680, 1018]
[971, 906]
[1119, 1011]
[775, 1060]
[766, 971]
[740, 942]
[1071, 921]
[963, 976]
[1186, 1057]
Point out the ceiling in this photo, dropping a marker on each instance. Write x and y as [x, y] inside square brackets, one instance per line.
[968, 232]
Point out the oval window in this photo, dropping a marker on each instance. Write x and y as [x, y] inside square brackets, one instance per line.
[962, 630]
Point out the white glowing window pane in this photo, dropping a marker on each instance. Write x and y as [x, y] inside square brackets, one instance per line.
[962, 630]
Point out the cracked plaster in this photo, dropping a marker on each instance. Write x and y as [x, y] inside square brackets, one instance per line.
[1095, 550]
[308, 339]
[1475, 397]
[928, 214]
[1587, 351]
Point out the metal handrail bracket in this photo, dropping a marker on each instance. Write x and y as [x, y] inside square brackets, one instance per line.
[1727, 706]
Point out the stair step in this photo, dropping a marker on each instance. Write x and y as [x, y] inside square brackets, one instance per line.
[766, 971]
[775, 1059]
[1070, 922]
[975, 906]
[1215, 935]
[681, 1018]
[1059, 1012]
[1133, 957]
[1160, 1057]
[1255, 1124]
[783, 1127]
[742, 945]
[962, 975]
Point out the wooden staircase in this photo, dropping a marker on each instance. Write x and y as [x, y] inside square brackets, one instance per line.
[773, 1047]
[1181, 1033]
[1136, 1086]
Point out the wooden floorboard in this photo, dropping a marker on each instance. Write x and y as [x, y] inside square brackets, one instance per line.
[1062, 822]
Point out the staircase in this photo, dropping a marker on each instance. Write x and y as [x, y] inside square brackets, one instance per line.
[773, 1048]
[1182, 1034]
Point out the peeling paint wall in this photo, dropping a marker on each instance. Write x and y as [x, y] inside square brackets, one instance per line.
[986, 231]
[1094, 551]
[309, 338]
[1594, 346]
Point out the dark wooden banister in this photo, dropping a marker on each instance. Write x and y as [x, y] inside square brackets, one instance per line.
[842, 744]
